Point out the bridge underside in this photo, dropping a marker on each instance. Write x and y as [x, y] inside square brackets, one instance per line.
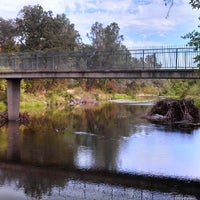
[104, 74]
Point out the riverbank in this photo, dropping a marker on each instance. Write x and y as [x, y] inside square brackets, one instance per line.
[78, 96]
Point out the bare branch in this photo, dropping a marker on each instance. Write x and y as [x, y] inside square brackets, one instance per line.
[170, 3]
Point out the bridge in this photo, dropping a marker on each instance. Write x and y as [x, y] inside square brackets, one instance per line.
[156, 63]
[126, 64]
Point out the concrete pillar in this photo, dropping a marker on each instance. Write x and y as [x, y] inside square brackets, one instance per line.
[13, 99]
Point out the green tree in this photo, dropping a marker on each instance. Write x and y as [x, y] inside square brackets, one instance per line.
[107, 38]
[195, 3]
[64, 34]
[8, 32]
[39, 30]
[107, 51]
[194, 36]
[96, 35]
[112, 39]
[106, 42]
[151, 61]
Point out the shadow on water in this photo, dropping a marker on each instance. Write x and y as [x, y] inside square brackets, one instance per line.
[42, 182]
[80, 154]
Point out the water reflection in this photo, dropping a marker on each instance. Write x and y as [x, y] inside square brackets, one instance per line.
[87, 138]
[13, 150]
[111, 138]
[35, 183]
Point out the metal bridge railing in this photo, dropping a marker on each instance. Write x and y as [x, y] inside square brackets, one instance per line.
[156, 58]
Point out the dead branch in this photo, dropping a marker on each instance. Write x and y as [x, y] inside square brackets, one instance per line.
[174, 111]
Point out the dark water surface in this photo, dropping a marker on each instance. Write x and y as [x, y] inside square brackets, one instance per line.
[38, 161]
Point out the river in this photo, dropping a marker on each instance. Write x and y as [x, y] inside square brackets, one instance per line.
[41, 160]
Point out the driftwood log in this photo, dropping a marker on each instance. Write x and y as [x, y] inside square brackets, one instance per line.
[172, 111]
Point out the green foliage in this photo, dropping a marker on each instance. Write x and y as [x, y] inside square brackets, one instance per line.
[3, 141]
[179, 88]
[32, 104]
[3, 89]
[8, 32]
[195, 3]
[39, 30]
[2, 106]
[34, 86]
[107, 38]
[194, 36]
[193, 89]
[32, 100]
[96, 35]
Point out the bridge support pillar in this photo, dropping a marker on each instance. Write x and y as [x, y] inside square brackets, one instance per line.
[13, 98]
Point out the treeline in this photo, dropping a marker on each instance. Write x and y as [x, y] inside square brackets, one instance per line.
[35, 29]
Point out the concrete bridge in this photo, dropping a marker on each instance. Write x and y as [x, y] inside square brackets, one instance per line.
[156, 63]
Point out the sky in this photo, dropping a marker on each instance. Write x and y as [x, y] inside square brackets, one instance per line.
[143, 23]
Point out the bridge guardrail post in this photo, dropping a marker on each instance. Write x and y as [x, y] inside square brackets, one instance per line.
[143, 58]
[185, 56]
[53, 63]
[126, 59]
[36, 61]
[15, 62]
[176, 58]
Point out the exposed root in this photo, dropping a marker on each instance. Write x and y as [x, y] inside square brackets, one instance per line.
[23, 118]
[172, 111]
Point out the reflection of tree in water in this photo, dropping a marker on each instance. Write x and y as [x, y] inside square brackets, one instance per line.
[42, 183]
[40, 144]
[37, 188]
[108, 125]
[51, 139]
[46, 141]
[34, 185]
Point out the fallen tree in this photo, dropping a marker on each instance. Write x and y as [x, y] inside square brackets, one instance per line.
[172, 111]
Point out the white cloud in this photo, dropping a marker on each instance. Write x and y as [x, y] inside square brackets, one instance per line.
[132, 44]
[10, 9]
[135, 17]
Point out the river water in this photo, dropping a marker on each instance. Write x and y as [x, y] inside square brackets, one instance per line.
[110, 138]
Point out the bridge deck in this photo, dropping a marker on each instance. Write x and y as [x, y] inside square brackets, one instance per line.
[101, 74]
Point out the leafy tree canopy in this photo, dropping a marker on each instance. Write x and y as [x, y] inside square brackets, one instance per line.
[8, 32]
[195, 3]
[107, 38]
[194, 36]
[39, 30]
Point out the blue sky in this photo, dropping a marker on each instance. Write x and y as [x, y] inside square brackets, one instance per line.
[143, 23]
